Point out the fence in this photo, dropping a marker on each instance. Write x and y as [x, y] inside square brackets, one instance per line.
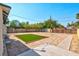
[11, 30]
[56, 30]
[60, 30]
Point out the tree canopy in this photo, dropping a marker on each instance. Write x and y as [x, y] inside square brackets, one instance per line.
[14, 23]
[77, 16]
[49, 23]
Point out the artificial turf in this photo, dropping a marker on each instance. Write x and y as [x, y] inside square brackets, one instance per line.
[29, 37]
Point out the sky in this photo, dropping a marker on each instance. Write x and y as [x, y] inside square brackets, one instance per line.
[63, 13]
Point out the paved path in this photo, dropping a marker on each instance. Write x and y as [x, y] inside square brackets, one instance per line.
[65, 44]
[49, 50]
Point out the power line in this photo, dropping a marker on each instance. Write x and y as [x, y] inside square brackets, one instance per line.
[62, 19]
[18, 16]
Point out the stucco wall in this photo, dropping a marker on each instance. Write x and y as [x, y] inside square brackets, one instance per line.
[1, 32]
[4, 29]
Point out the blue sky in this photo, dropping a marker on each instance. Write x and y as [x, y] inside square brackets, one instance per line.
[39, 12]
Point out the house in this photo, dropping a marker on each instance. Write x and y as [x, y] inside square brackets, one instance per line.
[4, 12]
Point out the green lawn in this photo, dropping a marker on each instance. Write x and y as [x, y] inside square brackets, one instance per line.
[29, 37]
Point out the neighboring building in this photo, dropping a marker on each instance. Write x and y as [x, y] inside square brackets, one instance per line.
[4, 11]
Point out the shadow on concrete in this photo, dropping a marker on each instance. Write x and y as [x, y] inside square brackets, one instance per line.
[15, 47]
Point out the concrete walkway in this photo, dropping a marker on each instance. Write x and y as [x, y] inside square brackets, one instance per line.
[48, 50]
[65, 44]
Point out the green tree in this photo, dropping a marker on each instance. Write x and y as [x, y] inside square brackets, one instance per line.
[77, 17]
[68, 25]
[59, 26]
[50, 23]
[76, 24]
[14, 24]
[6, 22]
[24, 24]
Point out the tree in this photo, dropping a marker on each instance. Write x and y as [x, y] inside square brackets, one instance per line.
[77, 17]
[68, 25]
[14, 24]
[59, 26]
[24, 24]
[50, 23]
[76, 24]
[6, 22]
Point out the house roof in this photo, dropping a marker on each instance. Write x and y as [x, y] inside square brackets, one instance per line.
[5, 5]
[5, 11]
[5, 8]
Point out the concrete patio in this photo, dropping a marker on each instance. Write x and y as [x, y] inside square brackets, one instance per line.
[48, 50]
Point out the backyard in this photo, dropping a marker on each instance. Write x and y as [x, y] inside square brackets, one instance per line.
[36, 39]
[47, 36]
